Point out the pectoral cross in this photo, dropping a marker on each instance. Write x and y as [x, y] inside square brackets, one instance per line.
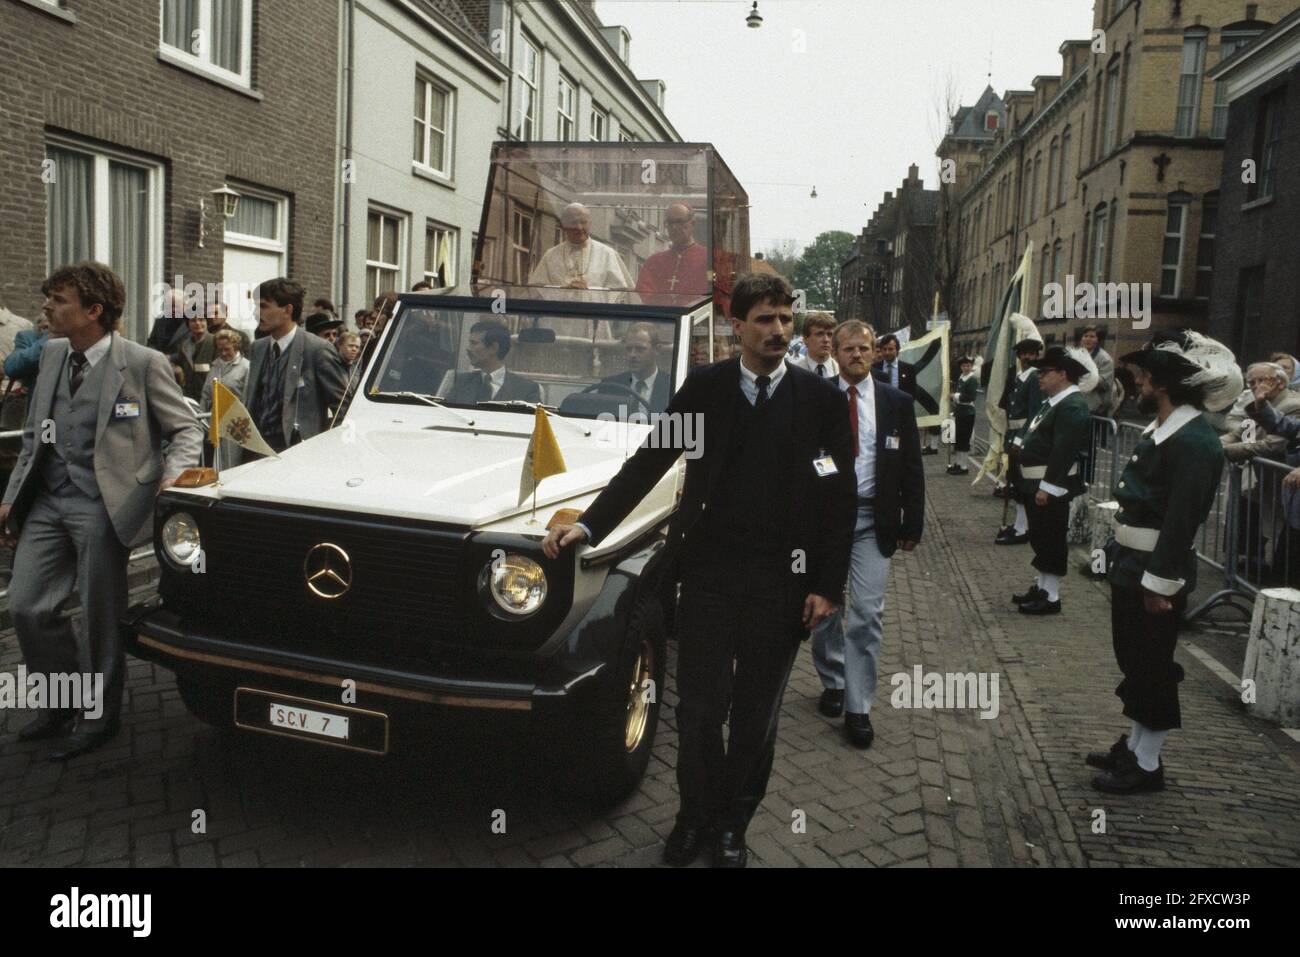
[672, 283]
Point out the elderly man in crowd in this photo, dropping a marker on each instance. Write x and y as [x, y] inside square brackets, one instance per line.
[194, 355]
[1264, 411]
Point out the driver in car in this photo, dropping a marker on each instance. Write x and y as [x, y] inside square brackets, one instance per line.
[642, 378]
[489, 344]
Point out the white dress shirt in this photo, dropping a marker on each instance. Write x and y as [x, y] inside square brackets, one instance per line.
[284, 340]
[97, 351]
[865, 462]
[749, 381]
[805, 361]
[495, 380]
[1044, 486]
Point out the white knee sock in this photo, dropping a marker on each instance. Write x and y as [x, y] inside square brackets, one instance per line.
[1038, 580]
[1147, 751]
[1134, 736]
[1051, 584]
[1022, 520]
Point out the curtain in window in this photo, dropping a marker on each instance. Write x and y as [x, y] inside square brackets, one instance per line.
[1189, 85]
[129, 243]
[70, 223]
[227, 34]
[254, 217]
[180, 20]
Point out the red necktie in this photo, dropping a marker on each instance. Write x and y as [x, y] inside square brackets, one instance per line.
[853, 416]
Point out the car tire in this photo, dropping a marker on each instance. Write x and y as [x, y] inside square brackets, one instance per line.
[610, 742]
[213, 704]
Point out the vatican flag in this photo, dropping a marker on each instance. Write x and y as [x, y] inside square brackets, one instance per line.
[230, 420]
[542, 459]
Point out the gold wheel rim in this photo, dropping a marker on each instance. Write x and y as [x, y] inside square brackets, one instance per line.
[638, 703]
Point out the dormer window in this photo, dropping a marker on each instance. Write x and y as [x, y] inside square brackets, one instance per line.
[991, 120]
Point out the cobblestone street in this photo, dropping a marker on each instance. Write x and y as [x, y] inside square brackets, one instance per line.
[938, 788]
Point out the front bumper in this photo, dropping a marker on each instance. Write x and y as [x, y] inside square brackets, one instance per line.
[155, 634]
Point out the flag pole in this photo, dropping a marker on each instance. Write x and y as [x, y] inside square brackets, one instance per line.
[216, 448]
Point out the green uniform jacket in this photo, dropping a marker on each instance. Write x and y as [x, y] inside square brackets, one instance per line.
[1023, 404]
[1056, 439]
[1168, 486]
[968, 388]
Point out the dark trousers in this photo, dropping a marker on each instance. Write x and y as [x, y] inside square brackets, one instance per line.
[965, 428]
[1048, 525]
[738, 635]
[1144, 650]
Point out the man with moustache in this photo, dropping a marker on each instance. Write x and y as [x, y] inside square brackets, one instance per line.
[764, 531]
[121, 432]
[1165, 494]
[890, 482]
[900, 375]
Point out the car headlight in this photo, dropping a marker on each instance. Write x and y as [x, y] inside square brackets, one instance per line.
[517, 584]
[180, 538]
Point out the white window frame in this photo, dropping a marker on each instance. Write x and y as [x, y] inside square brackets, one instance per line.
[1187, 117]
[1185, 206]
[626, 136]
[204, 63]
[1229, 43]
[1204, 268]
[595, 114]
[1100, 223]
[533, 84]
[280, 244]
[570, 118]
[102, 236]
[520, 213]
[431, 86]
[434, 227]
[1110, 96]
[403, 242]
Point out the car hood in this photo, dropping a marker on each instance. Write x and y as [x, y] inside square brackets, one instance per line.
[427, 474]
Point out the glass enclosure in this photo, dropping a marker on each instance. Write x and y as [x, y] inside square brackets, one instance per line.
[579, 366]
[636, 223]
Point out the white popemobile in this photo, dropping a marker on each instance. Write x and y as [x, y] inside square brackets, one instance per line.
[351, 590]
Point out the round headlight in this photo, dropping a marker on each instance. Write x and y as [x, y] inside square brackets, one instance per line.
[180, 538]
[517, 584]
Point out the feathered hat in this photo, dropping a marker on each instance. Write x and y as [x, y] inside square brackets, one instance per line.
[1192, 359]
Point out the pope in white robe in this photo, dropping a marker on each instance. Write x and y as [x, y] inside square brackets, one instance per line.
[580, 262]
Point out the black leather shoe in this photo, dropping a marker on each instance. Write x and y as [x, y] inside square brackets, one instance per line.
[685, 844]
[958, 470]
[83, 741]
[1041, 606]
[1128, 777]
[1008, 536]
[1033, 594]
[858, 727]
[832, 702]
[1003, 491]
[730, 850]
[1107, 760]
[929, 451]
[48, 724]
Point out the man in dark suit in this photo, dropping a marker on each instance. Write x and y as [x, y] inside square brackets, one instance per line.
[295, 380]
[891, 512]
[764, 530]
[489, 344]
[900, 375]
[643, 378]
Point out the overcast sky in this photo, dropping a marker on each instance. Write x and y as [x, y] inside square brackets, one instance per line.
[851, 110]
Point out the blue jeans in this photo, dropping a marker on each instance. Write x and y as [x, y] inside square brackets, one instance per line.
[846, 646]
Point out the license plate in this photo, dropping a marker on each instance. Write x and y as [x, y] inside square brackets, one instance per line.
[306, 719]
[296, 718]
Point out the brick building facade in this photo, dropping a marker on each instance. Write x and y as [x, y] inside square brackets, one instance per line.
[122, 116]
[1111, 170]
[1255, 308]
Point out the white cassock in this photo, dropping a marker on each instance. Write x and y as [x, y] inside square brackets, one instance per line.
[596, 263]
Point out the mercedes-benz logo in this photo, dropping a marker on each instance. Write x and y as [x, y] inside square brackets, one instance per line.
[329, 571]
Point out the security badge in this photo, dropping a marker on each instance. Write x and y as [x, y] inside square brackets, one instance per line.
[891, 441]
[824, 464]
[126, 410]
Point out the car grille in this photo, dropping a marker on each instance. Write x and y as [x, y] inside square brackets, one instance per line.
[405, 604]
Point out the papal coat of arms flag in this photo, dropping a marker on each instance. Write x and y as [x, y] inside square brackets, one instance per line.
[230, 420]
[542, 459]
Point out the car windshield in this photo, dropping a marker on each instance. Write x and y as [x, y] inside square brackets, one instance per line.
[581, 367]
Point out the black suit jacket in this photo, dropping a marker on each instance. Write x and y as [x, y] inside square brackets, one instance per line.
[465, 389]
[906, 376]
[822, 507]
[899, 501]
[659, 396]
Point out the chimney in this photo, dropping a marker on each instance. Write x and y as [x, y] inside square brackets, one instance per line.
[913, 173]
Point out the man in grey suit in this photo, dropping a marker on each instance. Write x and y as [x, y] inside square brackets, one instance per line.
[295, 380]
[82, 494]
[489, 344]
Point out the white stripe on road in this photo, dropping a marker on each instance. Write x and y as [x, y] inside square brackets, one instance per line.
[1205, 658]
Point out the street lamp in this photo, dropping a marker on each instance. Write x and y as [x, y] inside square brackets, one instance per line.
[755, 19]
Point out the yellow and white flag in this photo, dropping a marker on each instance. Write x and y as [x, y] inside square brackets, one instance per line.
[542, 459]
[230, 420]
